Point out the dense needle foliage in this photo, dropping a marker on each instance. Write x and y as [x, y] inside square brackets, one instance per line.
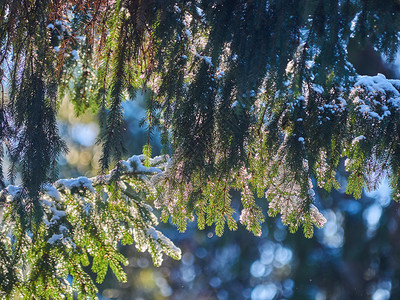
[257, 96]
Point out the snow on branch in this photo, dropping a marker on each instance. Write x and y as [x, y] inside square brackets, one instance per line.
[85, 216]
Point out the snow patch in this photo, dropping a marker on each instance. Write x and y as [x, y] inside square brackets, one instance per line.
[80, 182]
[51, 191]
[199, 11]
[317, 88]
[357, 139]
[207, 59]
[377, 83]
[57, 214]
[135, 163]
[13, 192]
[55, 238]
[75, 55]
[177, 9]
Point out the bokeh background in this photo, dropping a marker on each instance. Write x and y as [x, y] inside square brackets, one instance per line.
[355, 256]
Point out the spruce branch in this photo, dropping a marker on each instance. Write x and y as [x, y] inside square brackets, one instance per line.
[82, 216]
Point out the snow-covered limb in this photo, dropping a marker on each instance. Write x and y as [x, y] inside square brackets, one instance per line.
[75, 184]
[88, 216]
[131, 167]
[376, 97]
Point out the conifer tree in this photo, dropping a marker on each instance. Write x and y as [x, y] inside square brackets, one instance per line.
[257, 96]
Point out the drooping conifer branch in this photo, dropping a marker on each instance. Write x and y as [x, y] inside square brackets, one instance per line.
[227, 93]
[249, 95]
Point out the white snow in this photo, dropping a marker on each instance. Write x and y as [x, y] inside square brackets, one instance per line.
[354, 23]
[63, 229]
[177, 9]
[13, 192]
[47, 203]
[207, 59]
[153, 233]
[199, 11]
[55, 238]
[310, 64]
[75, 55]
[364, 108]
[319, 89]
[135, 163]
[52, 192]
[377, 83]
[388, 91]
[76, 183]
[148, 207]
[159, 159]
[343, 102]
[357, 139]
[57, 214]
[127, 165]
[156, 235]
[220, 73]
[395, 83]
